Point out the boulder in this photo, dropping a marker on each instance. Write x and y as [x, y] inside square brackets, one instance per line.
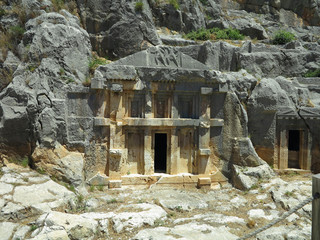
[244, 153]
[249, 27]
[116, 28]
[220, 55]
[59, 162]
[42, 197]
[138, 216]
[245, 178]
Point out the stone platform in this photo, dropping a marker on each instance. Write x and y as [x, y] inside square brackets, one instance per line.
[211, 181]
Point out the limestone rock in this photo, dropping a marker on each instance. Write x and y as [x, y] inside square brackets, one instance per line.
[12, 62]
[244, 153]
[42, 193]
[259, 213]
[99, 180]
[212, 218]
[116, 28]
[66, 41]
[172, 200]
[187, 231]
[52, 235]
[56, 51]
[14, 211]
[5, 188]
[266, 98]
[7, 230]
[59, 162]
[130, 220]
[281, 233]
[290, 195]
[187, 17]
[245, 177]
[21, 232]
[249, 28]
[65, 225]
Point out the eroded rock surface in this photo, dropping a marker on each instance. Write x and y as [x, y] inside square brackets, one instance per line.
[38, 208]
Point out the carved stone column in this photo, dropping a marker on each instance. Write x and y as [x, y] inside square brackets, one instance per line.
[204, 131]
[148, 157]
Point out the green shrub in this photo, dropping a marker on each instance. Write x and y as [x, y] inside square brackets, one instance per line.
[95, 62]
[25, 162]
[215, 33]
[2, 12]
[139, 6]
[22, 161]
[33, 227]
[91, 188]
[232, 34]
[58, 5]
[175, 4]
[204, 2]
[283, 37]
[17, 31]
[200, 34]
[315, 73]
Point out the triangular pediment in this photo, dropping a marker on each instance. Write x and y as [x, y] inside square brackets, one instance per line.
[162, 57]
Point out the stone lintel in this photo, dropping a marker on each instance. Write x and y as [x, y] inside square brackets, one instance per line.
[165, 122]
[206, 91]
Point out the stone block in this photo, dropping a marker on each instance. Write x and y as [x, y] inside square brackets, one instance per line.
[99, 179]
[143, 180]
[115, 152]
[171, 179]
[190, 179]
[215, 122]
[204, 151]
[115, 184]
[204, 183]
[206, 91]
[97, 83]
[100, 122]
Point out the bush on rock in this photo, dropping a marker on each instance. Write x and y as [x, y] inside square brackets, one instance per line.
[283, 37]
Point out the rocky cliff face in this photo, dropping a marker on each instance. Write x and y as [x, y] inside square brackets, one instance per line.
[46, 60]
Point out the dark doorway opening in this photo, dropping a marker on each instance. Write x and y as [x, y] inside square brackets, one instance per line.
[160, 153]
[293, 149]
